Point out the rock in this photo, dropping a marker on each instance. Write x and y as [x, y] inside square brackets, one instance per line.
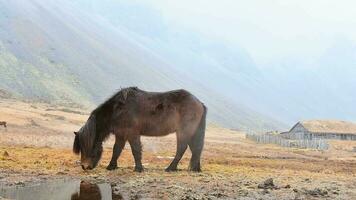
[267, 184]
[287, 186]
[218, 194]
[61, 173]
[20, 183]
[189, 197]
[335, 192]
[316, 192]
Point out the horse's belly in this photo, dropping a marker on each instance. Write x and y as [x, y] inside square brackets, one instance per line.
[156, 134]
[158, 129]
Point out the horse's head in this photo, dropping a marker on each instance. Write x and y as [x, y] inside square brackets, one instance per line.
[86, 144]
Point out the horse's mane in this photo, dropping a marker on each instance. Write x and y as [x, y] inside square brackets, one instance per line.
[87, 135]
[98, 126]
[119, 96]
[103, 113]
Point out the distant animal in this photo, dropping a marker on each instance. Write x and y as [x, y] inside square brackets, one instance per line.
[132, 112]
[3, 124]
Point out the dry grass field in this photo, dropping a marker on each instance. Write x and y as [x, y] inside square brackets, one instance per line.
[36, 146]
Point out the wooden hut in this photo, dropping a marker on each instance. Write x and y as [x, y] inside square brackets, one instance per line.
[323, 129]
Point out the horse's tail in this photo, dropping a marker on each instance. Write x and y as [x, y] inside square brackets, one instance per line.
[197, 142]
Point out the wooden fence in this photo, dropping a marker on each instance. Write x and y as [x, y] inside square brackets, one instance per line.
[318, 144]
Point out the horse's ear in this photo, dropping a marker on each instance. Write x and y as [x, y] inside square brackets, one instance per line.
[75, 133]
[76, 144]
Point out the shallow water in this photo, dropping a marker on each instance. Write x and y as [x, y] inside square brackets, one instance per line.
[60, 190]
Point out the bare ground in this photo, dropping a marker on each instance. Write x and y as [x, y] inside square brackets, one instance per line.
[36, 146]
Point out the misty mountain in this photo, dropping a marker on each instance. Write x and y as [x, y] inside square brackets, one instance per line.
[323, 90]
[82, 51]
[289, 89]
[60, 52]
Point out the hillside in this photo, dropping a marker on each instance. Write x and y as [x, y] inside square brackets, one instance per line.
[60, 53]
[288, 88]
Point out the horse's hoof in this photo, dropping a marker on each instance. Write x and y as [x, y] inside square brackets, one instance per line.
[198, 170]
[171, 170]
[111, 167]
[139, 169]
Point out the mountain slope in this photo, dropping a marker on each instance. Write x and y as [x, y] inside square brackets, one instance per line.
[289, 89]
[56, 51]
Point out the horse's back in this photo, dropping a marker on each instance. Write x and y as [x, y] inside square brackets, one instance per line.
[173, 102]
[166, 112]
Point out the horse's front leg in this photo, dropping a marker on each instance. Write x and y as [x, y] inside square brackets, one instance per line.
[118, 146]
[136, 148]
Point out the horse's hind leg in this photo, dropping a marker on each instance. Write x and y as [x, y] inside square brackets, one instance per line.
[195, 160]
[182, 145]
[136, 148]
[118, 146]
[196, 144]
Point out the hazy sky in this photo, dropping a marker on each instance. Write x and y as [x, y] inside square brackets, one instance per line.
[270, 30]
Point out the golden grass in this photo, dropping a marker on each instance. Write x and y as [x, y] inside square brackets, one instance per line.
[227, 157]
[55, 160]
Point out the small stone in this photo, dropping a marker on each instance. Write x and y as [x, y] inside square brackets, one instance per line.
[61, 173]
[267, 184]
[316, 192]
[335, 192]
[265, 191]
[20, 183]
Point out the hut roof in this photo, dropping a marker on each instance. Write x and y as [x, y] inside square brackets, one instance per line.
[329, 126]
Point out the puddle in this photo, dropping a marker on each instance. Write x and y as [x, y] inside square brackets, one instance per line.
[60, 190]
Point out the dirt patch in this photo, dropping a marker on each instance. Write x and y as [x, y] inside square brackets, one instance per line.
[218, 181]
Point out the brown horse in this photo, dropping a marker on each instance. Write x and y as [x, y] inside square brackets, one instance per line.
[3, 124]
[131, 113]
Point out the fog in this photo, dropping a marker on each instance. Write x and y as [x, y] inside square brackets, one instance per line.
[293, 60]
[270, 31]
[255, 63]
